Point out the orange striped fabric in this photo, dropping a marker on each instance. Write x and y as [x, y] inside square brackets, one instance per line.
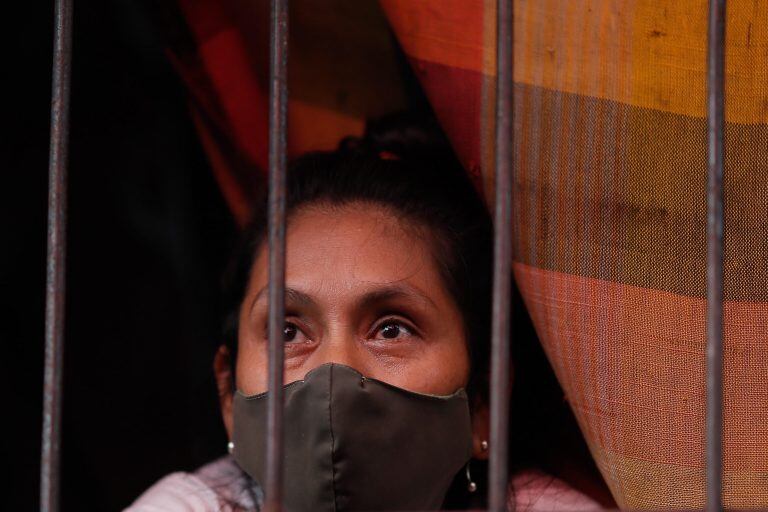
[343, 70]
[610, 216]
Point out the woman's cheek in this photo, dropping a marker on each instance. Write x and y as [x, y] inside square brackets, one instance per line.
[431, 368]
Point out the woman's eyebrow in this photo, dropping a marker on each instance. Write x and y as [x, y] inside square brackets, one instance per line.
[394, 292]
[292, 296]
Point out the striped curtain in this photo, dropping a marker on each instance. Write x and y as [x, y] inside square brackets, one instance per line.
[610, 217]
[343, 70]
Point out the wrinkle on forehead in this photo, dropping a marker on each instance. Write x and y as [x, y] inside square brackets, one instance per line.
[365, 240]
[342, 251]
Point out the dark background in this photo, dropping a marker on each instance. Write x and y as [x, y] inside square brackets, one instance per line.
[148, 233]
[148, 236]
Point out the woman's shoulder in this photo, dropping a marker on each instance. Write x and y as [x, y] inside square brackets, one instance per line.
[533, 491]
[218, 486]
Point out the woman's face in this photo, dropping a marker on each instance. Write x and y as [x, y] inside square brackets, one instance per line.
[362, 289]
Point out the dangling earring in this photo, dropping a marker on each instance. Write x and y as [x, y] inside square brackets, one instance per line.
[471, 486]
[484, 445]
[230, 447]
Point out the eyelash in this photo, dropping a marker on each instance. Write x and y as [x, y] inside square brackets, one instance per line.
[373, 333]
[412, 331]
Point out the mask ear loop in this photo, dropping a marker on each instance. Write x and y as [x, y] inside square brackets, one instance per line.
[471, 486]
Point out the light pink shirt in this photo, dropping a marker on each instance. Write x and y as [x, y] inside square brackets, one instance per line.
[221, 487]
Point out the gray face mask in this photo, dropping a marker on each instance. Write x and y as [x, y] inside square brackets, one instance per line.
[353, 443]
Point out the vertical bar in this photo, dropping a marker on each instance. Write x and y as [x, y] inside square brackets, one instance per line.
[55, 265]
[502, 261]
[715, 226]
[278, 91]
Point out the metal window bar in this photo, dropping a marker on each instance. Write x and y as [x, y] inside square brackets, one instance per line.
[502, 262]
[715, 243]
[278, 91]
[55, 263]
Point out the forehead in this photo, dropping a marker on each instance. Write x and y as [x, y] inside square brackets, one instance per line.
[353, 247]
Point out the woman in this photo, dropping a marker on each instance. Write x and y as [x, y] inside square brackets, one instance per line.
[386, 341]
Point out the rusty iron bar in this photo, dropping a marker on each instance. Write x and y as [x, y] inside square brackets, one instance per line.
[278, 91]
[502, 263]
[715, 230]
[55, 265]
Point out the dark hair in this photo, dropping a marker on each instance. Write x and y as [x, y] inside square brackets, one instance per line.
[406, 165]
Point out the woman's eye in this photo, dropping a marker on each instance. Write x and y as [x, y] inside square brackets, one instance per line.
[393, 330]
[291, 333]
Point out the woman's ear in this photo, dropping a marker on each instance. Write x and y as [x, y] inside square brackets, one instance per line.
[222, 370]
[480, 429]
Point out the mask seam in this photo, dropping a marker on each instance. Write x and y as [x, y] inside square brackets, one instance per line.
[333, 441]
